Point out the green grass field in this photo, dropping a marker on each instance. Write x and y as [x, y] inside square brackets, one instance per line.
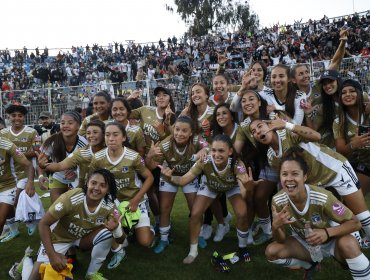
[142, 263]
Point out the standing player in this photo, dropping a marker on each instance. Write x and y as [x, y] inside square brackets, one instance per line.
[221, 172]
[8, 153]
[126, 166]
[179, 151]
[26, 139]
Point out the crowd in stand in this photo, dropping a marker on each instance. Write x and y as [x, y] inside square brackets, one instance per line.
[287, 44]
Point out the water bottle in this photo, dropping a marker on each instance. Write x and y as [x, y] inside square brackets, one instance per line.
[315, 251]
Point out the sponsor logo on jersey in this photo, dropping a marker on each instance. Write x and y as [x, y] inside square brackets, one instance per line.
[58, 207]
[316, 219]
[339, 209]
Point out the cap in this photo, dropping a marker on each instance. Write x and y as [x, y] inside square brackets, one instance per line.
[329, 74]
[16, 108]
[352, 83]
[161, 89]
[45, 114]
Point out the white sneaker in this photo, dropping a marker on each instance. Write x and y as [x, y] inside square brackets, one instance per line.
[206, 231]
[221, 232]
[228, 218]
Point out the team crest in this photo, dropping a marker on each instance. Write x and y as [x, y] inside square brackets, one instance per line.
[230, 178]
[99, 220]
[24, 139]
[58, 207]
[2, 160]
[316, 219]
[125, 169]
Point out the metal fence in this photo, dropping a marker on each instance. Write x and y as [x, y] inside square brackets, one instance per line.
[61, 99]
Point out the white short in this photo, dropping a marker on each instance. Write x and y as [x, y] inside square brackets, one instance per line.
[346, 182]
[61, 248]
[21, 184]
[8, 196]
[268, 174]
[144, 220]
[192, 187]
[205, 191]
[327, 249]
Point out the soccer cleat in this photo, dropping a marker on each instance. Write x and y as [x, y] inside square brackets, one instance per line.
[221, 231]
[202, 243]
[31, 228]
[309, 273]
[10, 236]
[161, 246]
[95, 276]
[14, 273]
[263, 238]
[244, 255]
[116, 260]
[219, 263]
[5, 232]
[206, 231]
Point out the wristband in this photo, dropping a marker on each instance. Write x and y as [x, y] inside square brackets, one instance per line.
[351, 147]
[118, 232]
[42, 175]
[327, 233]
[289, 126]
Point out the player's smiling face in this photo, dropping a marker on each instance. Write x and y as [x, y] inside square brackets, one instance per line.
[97, 188]
[220, 153]
[250, 104]
[119, 111]
[224, 117]
[198, 95]
[16, 119]
[94, 135]
[182, 133]
[292, 177]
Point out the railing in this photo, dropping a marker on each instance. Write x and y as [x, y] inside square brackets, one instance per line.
[58, 100]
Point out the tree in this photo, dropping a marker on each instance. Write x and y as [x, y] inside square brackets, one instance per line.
[204, 16]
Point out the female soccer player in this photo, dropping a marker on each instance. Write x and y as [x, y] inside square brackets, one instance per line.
[156, 124]
[121, 110]
[180, 151]
[83, 217]
[308, 211]
[95, 131]
[57, 147]
[221, 172]
[126, 165]
[101, 102]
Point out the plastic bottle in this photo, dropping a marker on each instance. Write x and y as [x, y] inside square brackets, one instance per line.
[315, 251]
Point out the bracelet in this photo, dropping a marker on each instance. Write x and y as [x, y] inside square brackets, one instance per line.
[351, 147]
[40, 176]
[327, 233]
[289, 126]
[118, 232]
